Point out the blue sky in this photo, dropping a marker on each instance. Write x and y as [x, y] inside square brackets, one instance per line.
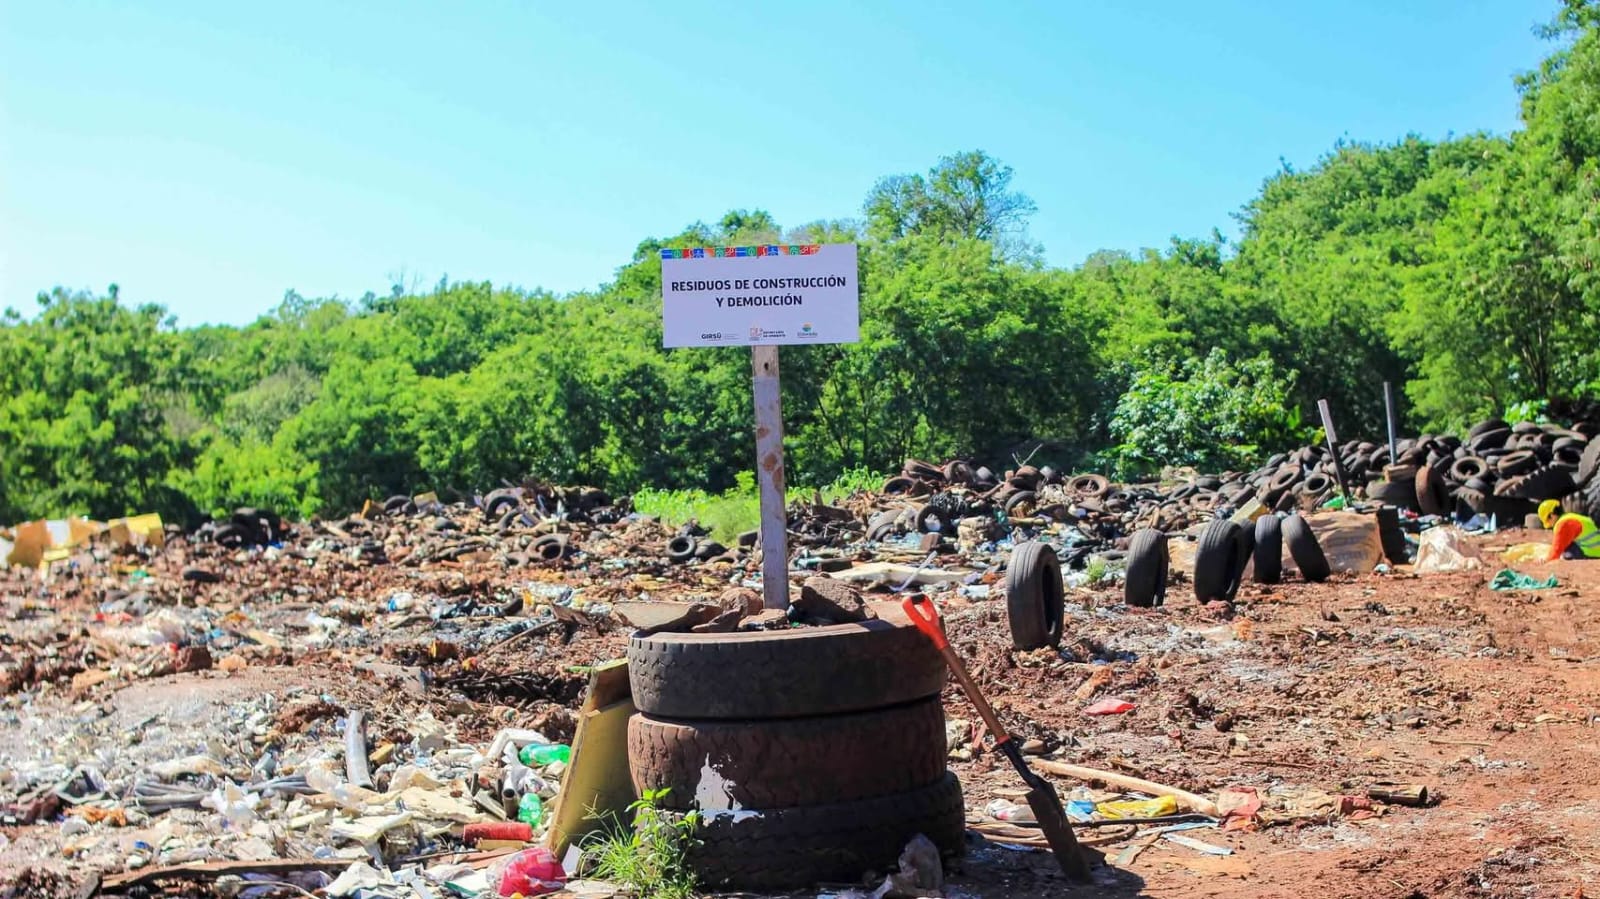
[209, 156]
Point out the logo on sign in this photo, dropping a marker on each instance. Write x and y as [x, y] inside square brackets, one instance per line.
[714, 335]
[755, 332]
[807, 331]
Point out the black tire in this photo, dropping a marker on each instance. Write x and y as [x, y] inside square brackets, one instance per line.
[1431, 496]
[1484, 427]
[399, 505]
[776, 849]
[681, 548]
[1089, 486]
[1591, 499]
[1216, 562]
[506, 521]
[1489, 440]
[1540, 484]
[1590, 462]
[1403, 495]
[900, 485]
[1305, 550]
[1514, 463]
[1268, 552]
[934, 520]
[500, 503]
[881, 527]
[1392, 537]
[1035, 596]
[550, 547]
[784, 674]
[1284, 478]
[957, 474]
[800, 761]
[1317, 485]
[1246, 537]
[1467, 468]
[230, 535]
[1020, 498]
[1145, 582]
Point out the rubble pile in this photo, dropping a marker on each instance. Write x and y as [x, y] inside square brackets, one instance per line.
[392, 704]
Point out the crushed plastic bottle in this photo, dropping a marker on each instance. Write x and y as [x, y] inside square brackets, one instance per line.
[536, 754]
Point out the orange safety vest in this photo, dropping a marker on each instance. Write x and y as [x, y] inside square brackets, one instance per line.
[1587, 546]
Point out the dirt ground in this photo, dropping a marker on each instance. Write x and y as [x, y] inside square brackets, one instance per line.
[1490, 699]
[1302, 692]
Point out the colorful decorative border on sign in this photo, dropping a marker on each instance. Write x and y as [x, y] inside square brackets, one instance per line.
[809, 249]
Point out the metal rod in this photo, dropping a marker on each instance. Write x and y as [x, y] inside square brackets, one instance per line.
[1333, 448]
[1394, 423]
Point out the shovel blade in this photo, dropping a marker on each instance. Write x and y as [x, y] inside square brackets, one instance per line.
[1053, 821]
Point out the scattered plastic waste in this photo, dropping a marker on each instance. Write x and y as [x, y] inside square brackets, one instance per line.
[1507, 579]
[1139, 808]
[530, 809]
[536, 755]
[530, 872]
[1442, 549]
[1109, 706]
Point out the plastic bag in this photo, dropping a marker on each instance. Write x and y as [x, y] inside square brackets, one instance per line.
[1526, 552]
[1442, 549]
[531, 872]
[1109, 706]
[1139, 808]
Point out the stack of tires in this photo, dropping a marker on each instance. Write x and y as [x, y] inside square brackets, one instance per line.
[813, 754]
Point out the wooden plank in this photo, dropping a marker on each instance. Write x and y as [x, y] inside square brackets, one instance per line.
[210, 870]
[597, 782]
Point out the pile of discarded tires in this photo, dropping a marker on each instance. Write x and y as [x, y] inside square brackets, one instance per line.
[1500, 469]
[245, 527]
[813, 754]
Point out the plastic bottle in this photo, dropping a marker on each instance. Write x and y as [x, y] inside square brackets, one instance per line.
[535, 754]
[530, 809]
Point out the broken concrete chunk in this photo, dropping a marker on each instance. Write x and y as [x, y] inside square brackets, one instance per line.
[725, 623]
[740, 598]
[835, 600]
[767, 620]
[673, 617]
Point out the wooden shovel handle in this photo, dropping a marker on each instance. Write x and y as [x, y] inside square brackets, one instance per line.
[922, 613]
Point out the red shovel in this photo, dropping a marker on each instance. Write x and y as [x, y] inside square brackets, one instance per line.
[1042, 797]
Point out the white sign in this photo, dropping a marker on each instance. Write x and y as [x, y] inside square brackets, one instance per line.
[740, 296]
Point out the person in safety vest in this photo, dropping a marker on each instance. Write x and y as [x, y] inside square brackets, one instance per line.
[1574, 536]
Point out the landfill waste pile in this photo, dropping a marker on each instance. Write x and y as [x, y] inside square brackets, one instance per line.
[425, 699]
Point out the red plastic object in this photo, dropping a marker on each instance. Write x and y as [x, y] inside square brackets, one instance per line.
[532, 872]
[1109, 707]
[922, 613]
[497, 830]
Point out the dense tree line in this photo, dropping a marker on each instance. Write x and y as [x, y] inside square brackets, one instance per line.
[1464, 269]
